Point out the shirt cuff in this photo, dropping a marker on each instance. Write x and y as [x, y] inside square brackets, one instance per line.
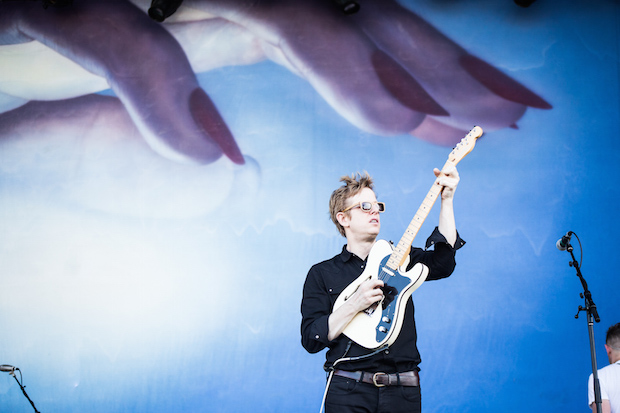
[320, 330]
[437, 237]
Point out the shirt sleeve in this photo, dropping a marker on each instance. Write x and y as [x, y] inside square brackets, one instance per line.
[604, 394]
[315, 311]
[441, 260]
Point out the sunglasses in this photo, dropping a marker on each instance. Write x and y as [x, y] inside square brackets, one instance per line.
[367, 206]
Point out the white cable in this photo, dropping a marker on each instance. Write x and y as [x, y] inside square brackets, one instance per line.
[329, 379]
[331, 373]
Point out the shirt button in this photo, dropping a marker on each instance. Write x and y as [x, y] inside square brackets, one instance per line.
[387, 351]
[317, 337]
[330, 290]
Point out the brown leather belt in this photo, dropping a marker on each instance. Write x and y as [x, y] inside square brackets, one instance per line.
[408, 378]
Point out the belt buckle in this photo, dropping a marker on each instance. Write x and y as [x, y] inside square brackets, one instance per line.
[374, 379]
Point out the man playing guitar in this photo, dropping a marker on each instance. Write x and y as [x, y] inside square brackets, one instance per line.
[363, 379]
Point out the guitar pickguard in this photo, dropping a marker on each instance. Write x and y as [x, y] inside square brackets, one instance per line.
[392, 290]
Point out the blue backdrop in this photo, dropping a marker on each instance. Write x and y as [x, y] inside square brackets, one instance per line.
[137, 277]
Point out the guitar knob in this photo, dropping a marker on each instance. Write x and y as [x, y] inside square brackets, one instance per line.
[386, 319]
[383, 329]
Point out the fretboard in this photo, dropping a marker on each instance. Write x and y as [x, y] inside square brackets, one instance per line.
[402, 248]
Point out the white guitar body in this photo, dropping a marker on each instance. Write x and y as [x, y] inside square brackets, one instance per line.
[381, 326]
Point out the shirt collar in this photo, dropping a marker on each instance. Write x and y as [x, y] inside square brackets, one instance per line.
[347, 255]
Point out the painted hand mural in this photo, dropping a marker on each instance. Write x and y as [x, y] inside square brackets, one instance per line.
[123, 205]
[385, 69]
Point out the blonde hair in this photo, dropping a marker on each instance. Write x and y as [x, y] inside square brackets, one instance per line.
[352, 186]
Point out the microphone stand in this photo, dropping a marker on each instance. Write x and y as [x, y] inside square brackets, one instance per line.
[23, 389]
[592, 314]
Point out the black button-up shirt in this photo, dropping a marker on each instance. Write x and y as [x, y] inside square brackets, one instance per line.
[327, 279]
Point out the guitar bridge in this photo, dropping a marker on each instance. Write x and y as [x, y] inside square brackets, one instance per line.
[369, 310]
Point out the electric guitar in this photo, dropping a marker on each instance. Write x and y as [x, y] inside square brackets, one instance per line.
[380, 324]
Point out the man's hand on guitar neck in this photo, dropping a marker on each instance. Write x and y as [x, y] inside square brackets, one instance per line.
[368, 293]
[448, 178]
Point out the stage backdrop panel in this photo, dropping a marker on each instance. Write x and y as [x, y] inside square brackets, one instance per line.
[164, 191]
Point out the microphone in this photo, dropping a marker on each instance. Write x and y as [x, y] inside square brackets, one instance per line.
[7, 368]
[563, 242]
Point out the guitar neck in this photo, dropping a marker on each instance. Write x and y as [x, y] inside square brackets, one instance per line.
[459, 152]
[402, 248]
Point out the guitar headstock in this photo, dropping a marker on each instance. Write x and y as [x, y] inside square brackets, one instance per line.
[465, 146]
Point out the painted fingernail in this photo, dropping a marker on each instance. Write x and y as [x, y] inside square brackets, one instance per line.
[403, 86]
[501, 84]
[208, 117]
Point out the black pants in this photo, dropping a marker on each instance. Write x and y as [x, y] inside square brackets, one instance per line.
[348, 396]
